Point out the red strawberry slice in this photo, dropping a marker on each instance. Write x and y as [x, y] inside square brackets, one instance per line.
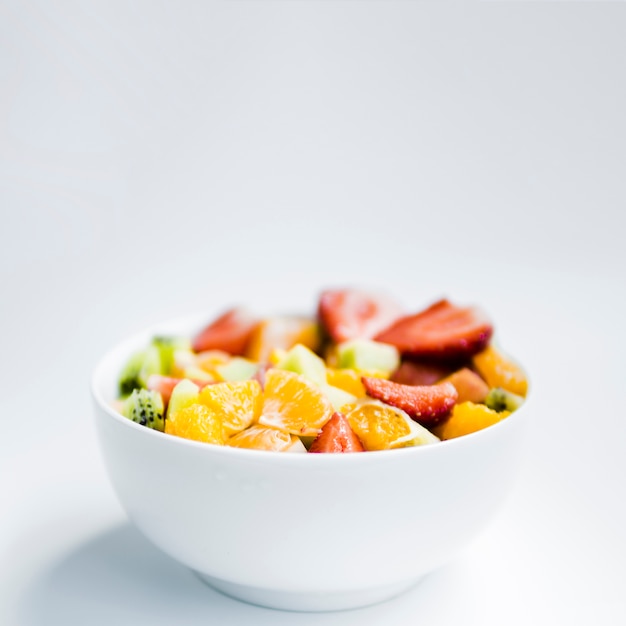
[442, 331]
[229, 332]
[426, 404]
[350, 313]
[165, 385]
[415, 373]
[337, 436]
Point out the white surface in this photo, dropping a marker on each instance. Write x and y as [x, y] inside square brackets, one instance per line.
[157, 159]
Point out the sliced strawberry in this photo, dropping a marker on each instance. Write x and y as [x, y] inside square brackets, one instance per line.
[442, 331]
[165, 385]
[420, 373]
[426, 404]
[229, 332]
[351, 314]
[337, 436]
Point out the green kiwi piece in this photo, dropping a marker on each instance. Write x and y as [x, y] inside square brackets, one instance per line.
[167, 346]
[152, 364]
[129, 377]
[499, 399]
[157, 358]
[145, 407]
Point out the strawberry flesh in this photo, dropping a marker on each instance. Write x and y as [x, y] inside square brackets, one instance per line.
[230, 332]
[426, 404]
[443, 331]
[420, 373]
[337, 436]
[350, 314]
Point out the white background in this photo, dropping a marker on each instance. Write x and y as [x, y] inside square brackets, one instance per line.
[158, 158]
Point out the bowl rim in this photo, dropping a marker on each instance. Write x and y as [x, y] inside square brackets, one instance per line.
[137, 339]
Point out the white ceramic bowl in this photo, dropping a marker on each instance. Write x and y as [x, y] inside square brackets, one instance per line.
[296, 531]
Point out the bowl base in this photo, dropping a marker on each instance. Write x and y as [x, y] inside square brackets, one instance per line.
[308, 601]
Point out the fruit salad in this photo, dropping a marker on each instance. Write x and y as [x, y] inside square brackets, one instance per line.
[361, 374]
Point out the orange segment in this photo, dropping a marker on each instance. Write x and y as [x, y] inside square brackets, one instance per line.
[188, 364]
[382, 427]
[259, 437]
[237, 404]
[282, 333]
[500, 371]
[350, 380]
[467, 418]
[196, 422]
[210, 359]
[294, 404]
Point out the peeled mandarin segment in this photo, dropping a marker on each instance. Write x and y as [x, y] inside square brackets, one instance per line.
[347, 379]
[467, 418]
[196, 422]
[382, 427]
[338, 397]
[237, 404]
[259, 437]
[500, 371]
[276, 356]
[281, 333]
[181, 359]
[209, 360]
[350, 380]
[294, 404]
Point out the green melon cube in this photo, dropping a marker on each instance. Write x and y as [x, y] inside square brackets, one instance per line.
[305, 362]
[368, 355]
[237, 368]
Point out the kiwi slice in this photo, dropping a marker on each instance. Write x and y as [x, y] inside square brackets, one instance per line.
[499, 399]
[166, 347]
[129, 377]
[145, 407]
[157, 358]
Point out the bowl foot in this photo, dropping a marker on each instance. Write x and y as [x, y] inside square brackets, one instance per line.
[308, 601]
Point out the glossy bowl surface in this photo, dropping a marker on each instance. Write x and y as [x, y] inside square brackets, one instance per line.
[296, 531]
